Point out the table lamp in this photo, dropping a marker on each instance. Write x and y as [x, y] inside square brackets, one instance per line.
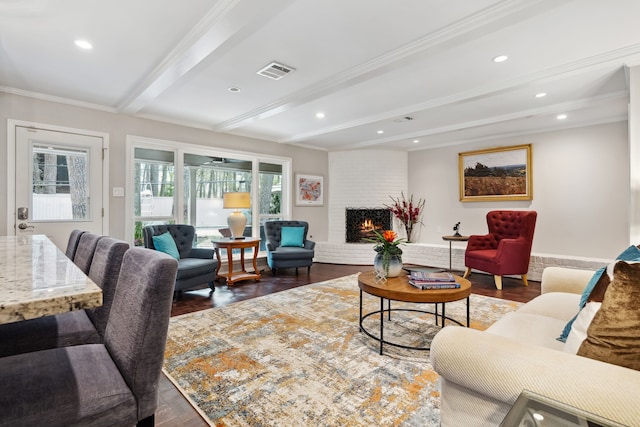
[237, 221]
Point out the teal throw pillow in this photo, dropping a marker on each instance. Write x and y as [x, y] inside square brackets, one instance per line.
[292, 236]
[632, 253]
[165, 243]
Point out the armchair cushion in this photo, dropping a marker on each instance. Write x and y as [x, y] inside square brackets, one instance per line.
[165, 243]
[292, 236]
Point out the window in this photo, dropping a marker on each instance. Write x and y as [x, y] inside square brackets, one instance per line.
[180, 183]
[60, 184]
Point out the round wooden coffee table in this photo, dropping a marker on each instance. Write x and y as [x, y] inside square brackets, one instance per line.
[399, 289]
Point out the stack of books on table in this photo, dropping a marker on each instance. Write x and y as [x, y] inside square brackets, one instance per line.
[432, 280]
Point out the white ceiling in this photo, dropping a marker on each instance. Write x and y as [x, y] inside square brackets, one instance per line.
[366, 64]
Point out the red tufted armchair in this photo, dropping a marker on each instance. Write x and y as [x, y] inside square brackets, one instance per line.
[507, 247]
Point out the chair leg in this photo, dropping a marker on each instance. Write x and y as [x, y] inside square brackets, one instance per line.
[150, 421]
[308, 270]
[524, 279]
[273, 271]
[467, 273]
[296, 271]
[212, 286]
[498, 280]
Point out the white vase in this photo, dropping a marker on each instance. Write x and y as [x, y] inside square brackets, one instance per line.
[390, 265]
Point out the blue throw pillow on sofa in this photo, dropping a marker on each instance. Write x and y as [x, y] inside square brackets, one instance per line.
[632, 253]
[165, 243]
[292, 236]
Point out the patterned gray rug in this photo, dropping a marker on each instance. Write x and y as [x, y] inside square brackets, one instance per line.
[297, 358]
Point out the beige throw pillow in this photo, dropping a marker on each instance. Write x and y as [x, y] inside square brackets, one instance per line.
[614, 333]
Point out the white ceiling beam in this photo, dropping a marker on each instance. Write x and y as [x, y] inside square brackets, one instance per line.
[540, 111]
[607, 59]
[484, 22]
[225, 25]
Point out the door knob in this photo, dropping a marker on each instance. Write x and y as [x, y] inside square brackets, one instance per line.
[23, 226]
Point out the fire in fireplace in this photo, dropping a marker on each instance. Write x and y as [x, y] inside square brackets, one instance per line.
[360, 223]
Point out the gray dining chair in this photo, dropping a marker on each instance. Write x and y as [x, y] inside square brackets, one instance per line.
[85, 250]
[72, 244]
[73, 327]
[109, 384]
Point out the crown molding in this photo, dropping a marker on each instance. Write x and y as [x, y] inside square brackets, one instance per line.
[57, 99]
[509, 135]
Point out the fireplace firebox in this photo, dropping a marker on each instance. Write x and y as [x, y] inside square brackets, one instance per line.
[360, 223]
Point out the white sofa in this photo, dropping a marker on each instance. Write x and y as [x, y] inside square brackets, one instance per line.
[482, 373]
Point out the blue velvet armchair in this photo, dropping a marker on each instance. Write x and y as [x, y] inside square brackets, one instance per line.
[285, 253]
[196, 266]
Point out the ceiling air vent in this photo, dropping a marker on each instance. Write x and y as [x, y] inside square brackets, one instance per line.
[275, 71]
[403, 119]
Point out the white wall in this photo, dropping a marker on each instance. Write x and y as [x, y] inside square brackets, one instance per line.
[119, 126]
[580, 191]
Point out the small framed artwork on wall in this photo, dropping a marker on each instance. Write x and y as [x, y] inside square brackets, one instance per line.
[309, 190]
[494, 174]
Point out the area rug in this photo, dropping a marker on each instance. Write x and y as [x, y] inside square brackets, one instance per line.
[297, 358]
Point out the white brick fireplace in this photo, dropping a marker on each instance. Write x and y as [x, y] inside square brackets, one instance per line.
[359, 179]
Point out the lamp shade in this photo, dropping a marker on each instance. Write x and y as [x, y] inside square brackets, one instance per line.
[236, 201]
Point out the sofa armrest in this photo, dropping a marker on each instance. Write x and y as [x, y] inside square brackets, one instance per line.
[500, 368]
[200, 253]
[480, 242]
[562, 279]
[309, 244]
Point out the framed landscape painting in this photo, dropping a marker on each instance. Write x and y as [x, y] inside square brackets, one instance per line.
[309, 190]
[496, 174]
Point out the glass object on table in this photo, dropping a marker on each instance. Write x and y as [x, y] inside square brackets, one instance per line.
[535, 410]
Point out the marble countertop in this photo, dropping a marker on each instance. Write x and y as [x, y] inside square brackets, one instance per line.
[37, 279]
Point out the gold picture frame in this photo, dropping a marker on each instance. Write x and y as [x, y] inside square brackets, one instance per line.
[493, 174]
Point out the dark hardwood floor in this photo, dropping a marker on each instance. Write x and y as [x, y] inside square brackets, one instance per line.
[175, 410]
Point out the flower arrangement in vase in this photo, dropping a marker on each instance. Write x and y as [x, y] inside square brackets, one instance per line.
[408, 212]
[389, 256]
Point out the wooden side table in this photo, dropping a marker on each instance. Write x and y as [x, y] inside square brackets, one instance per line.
[231, 244]
[454, 238]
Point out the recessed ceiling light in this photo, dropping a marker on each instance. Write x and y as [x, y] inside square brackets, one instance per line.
[538, 416]
[234, 89]
[83, 44]
[561, 116]
[380, 131]
[541, 95]
[500, 58]
[415, 141]
[320, 115]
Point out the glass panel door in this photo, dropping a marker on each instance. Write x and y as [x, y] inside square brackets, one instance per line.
[270, 196]
[58, 183]
[154, 187]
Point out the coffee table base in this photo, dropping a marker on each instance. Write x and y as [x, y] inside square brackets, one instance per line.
[382, 310]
